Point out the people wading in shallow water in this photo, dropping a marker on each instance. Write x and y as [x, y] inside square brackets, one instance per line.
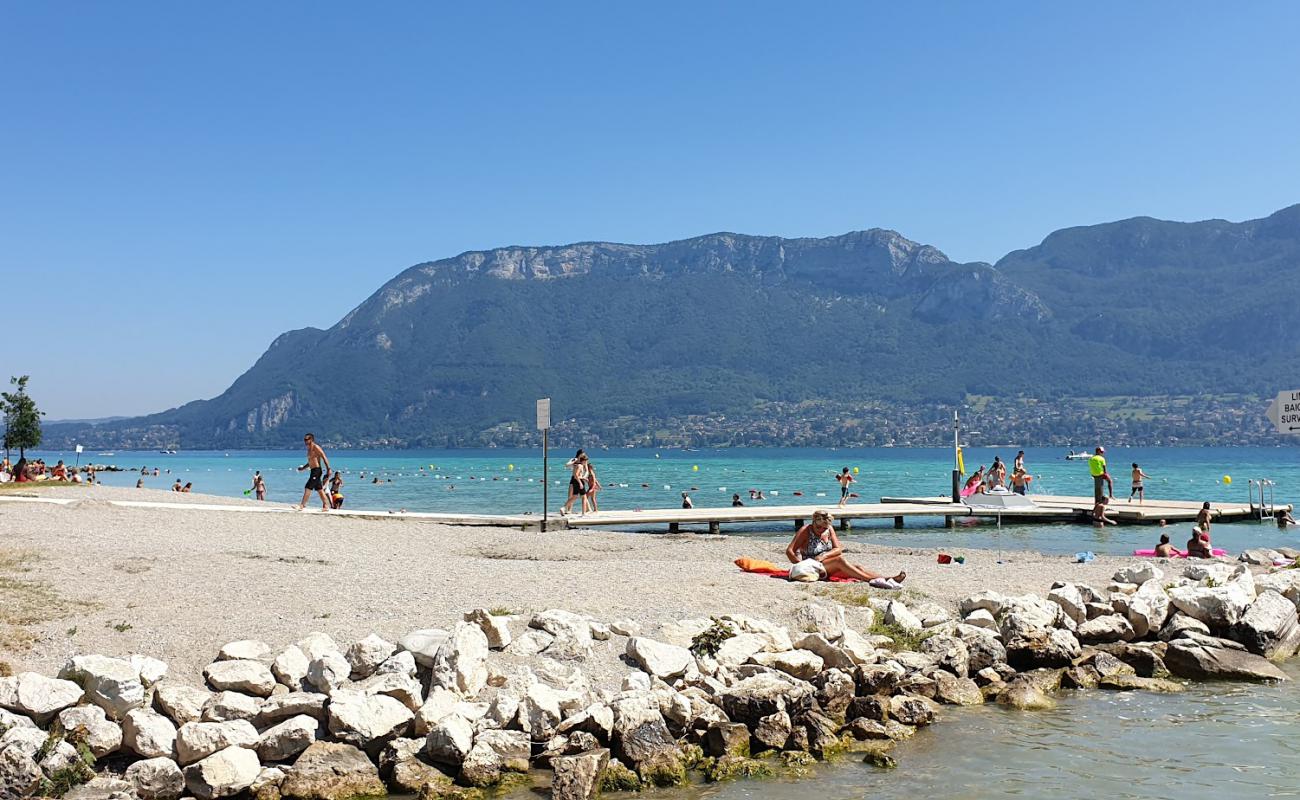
[316, 477]
[817, 541]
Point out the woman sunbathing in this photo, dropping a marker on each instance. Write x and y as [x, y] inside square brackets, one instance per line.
[817, 541]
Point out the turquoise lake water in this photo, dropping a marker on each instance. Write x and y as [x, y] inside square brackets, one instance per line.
[510, 481]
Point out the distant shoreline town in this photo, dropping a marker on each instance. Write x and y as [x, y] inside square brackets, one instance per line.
[1155, 421]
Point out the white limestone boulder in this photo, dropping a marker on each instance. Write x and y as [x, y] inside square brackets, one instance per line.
[240, 675]
[156, 779]
[101, 735]
[198, 740]
[181, 702]
[223, 774]
[663, 661]
[461, 661]
[34, 695]
[149, 734]
[366, 655]
[287, 739]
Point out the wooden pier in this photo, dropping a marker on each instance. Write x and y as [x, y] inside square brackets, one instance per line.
[1046, 509]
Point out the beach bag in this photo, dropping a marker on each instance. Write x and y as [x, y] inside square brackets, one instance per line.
[808, 570]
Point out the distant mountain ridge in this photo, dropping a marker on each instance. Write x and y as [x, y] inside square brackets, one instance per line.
[716, 323]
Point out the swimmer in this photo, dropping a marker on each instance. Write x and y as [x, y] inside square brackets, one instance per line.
[1165, 549]
[686, 501]
[1099, 517]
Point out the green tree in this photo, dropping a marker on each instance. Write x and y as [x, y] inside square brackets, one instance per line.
[22, 418]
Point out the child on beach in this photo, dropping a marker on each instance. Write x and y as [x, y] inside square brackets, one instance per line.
[845, 480]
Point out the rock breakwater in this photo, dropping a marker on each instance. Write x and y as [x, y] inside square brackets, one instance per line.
[500, 699]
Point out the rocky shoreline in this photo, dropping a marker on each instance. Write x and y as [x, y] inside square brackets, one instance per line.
[499, 700]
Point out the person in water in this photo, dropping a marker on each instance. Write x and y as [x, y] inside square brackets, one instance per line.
[318, 465]
[1137, 489]
[845, 480]
[817, 541]
[1165, 549]
[686, 501]
[1099, 517]
[1020, 481]
[735, 501]
[1203, 517]
[259, 485]
[1199, 545]
[1284, 519]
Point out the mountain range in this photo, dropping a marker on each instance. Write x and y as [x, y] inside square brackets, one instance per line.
[722, 323]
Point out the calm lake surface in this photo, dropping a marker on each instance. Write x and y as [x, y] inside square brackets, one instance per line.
[1213, 741]
[510, 481]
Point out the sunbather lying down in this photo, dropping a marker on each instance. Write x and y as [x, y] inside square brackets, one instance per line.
[817, 542]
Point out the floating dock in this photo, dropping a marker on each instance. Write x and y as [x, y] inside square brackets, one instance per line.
[1046, 508]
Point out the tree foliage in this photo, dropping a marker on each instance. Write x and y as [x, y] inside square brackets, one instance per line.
[22, 418]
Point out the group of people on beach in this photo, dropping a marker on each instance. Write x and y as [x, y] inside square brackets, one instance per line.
[24, 471]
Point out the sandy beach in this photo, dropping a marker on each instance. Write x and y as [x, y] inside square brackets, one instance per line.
[177, 584]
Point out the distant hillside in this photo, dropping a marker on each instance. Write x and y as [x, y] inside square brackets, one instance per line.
[718, 323]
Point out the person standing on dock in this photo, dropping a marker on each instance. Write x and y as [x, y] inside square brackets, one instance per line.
[1137, 488]
[1097, 468]
[845, 480]
[316, 476]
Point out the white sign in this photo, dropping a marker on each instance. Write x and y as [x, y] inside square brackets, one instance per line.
[1284, 412]
[78, 449]
[544, 414]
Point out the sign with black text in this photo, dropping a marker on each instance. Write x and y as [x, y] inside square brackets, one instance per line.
[1284, 412]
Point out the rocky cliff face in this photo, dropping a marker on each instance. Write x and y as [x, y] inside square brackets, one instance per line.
[722, 321]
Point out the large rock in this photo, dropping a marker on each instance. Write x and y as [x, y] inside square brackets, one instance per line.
[196, 741]
[1220, 607]
[642, 741]
[948, 652]
[10, 720]
[400, 766]
[912, 710]
[399, 663]
[1138, 572]
[242, 675]
[956, 691]
[901, 616]
[495, 752]
[1285, 582]
[801, 664]
[759, 696]
[1071, 600]
[572, 634]
[34, 695]
[244, 650]
[1269, 627]
[424, 644]
[540, 712]
[316, 644]
[1147, 609]
[1105, 629]
[328, 771]
[663, 661]
[328, 671]
[1025, 696]
[824, 618]
[449, 740]
[366, 655]
[222, 774]
[739, 648]
[113, 684]
[156, 779]
[831, 654]
[1188, 659]
[496, 629]
[1179, 625]
[461, 662]
[1052, 648]
[1261, 556]
[227, 706]
[283, 706]
[289, 738]
[100, 734]
[20, 775]
[362, 719]
[987, 600]
[181, 702]
[984, 647]
[290, 667]
[773, 731]
[149, 734]
[577, 777]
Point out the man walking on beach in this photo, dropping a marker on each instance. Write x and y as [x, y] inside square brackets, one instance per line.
[315, 479]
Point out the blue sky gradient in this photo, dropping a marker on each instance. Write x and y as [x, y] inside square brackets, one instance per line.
[182, 182]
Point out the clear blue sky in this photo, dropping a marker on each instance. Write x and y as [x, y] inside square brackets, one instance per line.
[181, 182]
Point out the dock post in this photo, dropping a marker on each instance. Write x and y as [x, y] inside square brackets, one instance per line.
[798, 524]
[715, 528]
[948, 521]
[674, 528]
[898, 521]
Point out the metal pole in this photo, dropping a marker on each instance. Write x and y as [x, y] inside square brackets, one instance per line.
[546, 478]
[956, 473]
